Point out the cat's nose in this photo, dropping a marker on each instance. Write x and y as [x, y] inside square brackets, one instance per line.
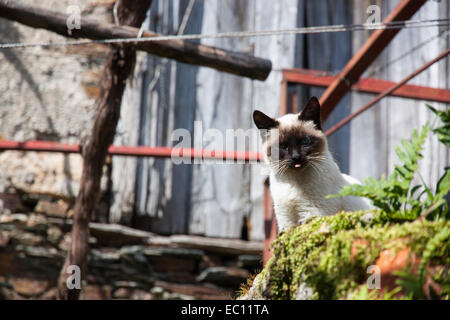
[295, 155]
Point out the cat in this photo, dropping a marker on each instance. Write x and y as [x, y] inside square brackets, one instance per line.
[302, 169]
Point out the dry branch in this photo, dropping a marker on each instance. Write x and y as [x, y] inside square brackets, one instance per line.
[119, 66]
[183, 51]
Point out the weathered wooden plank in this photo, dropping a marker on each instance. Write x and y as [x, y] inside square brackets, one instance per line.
[366, 55]
[170, 184]
[164, 191]
[285, 51]
[373, 143]
[375, 134]
[220, 199]
[404, 115]
[115, 234]
[224, 195]
[387, 92]
[217, 245]
[321, 55]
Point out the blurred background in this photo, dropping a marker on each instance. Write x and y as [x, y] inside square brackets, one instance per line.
[185, 231]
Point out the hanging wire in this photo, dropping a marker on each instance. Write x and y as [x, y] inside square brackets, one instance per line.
[406, 54]
[386, 65]
[241, 34]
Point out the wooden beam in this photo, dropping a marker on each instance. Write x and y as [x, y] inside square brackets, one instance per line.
[119, 66]
[318, 78]
[216, 245]
[183, 51]
[365, 56]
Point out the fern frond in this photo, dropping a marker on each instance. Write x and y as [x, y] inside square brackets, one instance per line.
[391, 194]
[443, 132]
[396, 196]
[431, 250]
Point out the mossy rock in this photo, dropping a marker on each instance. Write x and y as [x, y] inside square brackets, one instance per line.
[340, 256]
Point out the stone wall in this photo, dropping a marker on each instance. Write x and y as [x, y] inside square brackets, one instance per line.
[49, 94]
[123, 263]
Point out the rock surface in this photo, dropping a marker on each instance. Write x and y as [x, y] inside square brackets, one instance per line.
[49, 95]
[33, 247]
[47, 173]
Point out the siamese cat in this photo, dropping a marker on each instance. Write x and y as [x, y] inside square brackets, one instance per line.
[302, 170]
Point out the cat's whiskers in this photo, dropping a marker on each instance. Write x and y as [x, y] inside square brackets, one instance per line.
[314, 162]
[279, 166]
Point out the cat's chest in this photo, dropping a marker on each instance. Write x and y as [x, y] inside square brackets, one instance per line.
[290, 197]
[297, 197]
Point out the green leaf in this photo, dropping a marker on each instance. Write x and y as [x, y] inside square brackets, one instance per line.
[443, 115]
[443, 185]
[414, 189]
[411, 283]
[442, 132]
[394, 195]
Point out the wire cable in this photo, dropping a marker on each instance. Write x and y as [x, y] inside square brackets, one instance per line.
[241, 34]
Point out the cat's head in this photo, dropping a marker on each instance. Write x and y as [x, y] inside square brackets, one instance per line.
[293, 141]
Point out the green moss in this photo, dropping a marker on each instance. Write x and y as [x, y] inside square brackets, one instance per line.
[364, 293]
[331, 254]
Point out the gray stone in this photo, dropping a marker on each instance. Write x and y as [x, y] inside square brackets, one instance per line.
[304, 292]
[4, 238]
[13, 218]
[58, 208]
[29, 287]
[44, 173]
[224, 276]
[249, 261]
[180, 252]
[11, 203]
[367, 218]
[54, 234]
[26, 238]
[157, 292]
[111, 256]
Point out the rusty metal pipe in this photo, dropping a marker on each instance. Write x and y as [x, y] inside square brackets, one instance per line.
[350, 117]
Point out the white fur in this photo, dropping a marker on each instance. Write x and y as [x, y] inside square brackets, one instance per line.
[300, 194]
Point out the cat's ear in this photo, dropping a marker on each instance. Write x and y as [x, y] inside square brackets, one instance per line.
[311, 112]
[263, 121]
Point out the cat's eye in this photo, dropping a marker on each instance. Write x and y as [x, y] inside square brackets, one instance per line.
[305, 140]
[283, 146]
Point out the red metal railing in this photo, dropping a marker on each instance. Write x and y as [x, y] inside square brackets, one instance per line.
[317, 78]
[138, 151]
